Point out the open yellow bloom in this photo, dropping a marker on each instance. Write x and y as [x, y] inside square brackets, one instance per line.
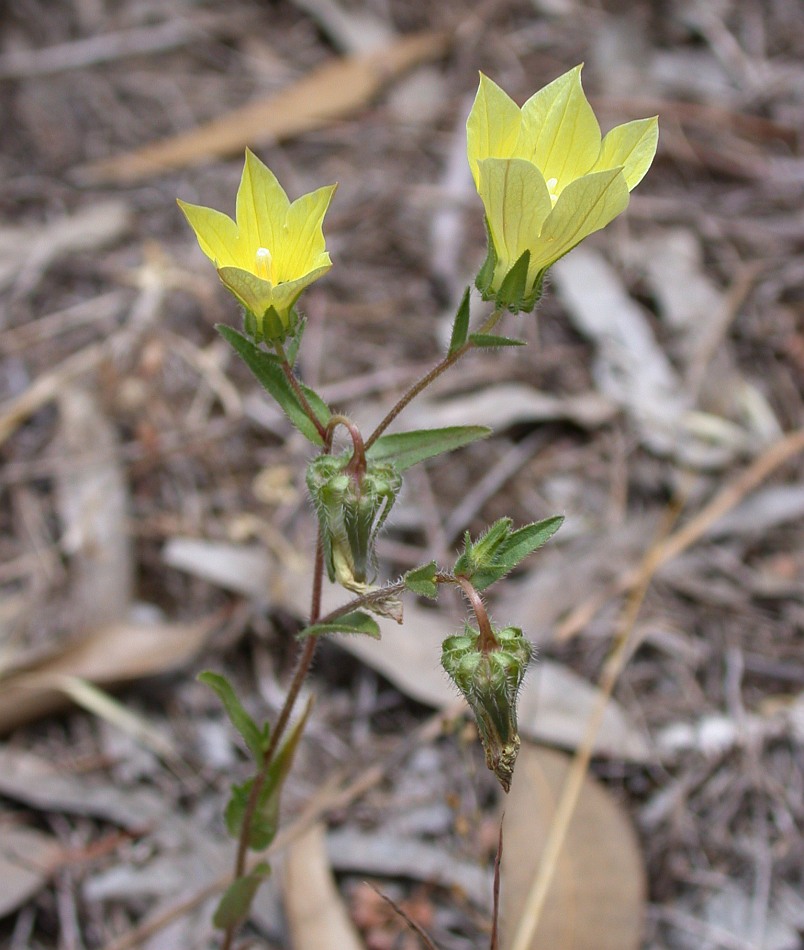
[271, 253]
[546, 178]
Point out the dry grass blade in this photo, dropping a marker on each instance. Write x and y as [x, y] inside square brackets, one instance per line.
[328, 93]
[115, 653]
[537, 894]
[597, 893]
[727, 498]
[420, 933]
[316, 915]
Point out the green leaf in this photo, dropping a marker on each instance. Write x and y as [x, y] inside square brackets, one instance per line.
[515, 548]
[404, 449]
[356, 622]
[236, 901]
[255, 738]
[264, 821]
[528, 539]
[421, 580]
[481, 553]
[268, 372]
[488, 340]
[460, 328]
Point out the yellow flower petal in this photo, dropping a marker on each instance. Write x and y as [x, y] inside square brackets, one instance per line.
[253, 292]
[517, 203]
[632, 146]
[583, 207]
[262, 206]
[492, 128]
[216, 232]
[304, 247]
[271, 253]
[257, 295]
[559, 130]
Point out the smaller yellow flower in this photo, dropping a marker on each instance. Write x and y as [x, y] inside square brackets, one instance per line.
[272, 253]
[546, 178]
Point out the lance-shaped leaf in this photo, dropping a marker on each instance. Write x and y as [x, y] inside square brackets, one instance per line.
[405, 449]
[264, 820]
[490, 340]
[355, 622]
[460, 328]
[236, 901]
[268, 372]
[255, 738]
[499, 550]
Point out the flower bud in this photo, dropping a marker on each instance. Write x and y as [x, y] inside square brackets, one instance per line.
[352, 507]
[490, 682]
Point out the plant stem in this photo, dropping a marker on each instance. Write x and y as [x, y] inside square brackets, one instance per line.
[449, 360]
[488, 641]
[357, 464]
[302, 668]
[287, 369]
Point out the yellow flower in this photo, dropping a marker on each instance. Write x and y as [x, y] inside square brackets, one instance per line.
[546, 178]
[274, 250]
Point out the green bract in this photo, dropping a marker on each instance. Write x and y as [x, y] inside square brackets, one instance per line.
[271, 253]
[546, 178]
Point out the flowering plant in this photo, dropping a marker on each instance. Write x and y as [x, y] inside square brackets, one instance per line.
[547, 180]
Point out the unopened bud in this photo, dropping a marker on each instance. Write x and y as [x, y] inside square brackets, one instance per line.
[490, 682]
[351, 508]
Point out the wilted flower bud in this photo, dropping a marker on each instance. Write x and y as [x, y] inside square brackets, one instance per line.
[352, 507]
[490, 681]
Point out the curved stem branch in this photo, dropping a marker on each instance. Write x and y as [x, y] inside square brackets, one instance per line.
[449, 360]
[488, 641]
[357, 464]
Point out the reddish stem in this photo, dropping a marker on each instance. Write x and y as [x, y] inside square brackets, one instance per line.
[295, 385]
[356, 468]
[488, 641]
[449, 360]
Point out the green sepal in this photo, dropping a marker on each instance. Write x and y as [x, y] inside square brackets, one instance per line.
[485, 275]
[405, 449]
[251, 326]
[512, 289]
[498, 551]
[355, 622]
[255, 738]
[268, 372]
[294, 342]
[236, 901]
[265, 819]
[421, 580]
[460, 328]
[489, 340]
[273, 327]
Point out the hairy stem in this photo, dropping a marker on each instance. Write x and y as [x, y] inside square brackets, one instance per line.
[302, 668]
[287, 369]
[449, 360]
[488, 641]
[357, 464]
